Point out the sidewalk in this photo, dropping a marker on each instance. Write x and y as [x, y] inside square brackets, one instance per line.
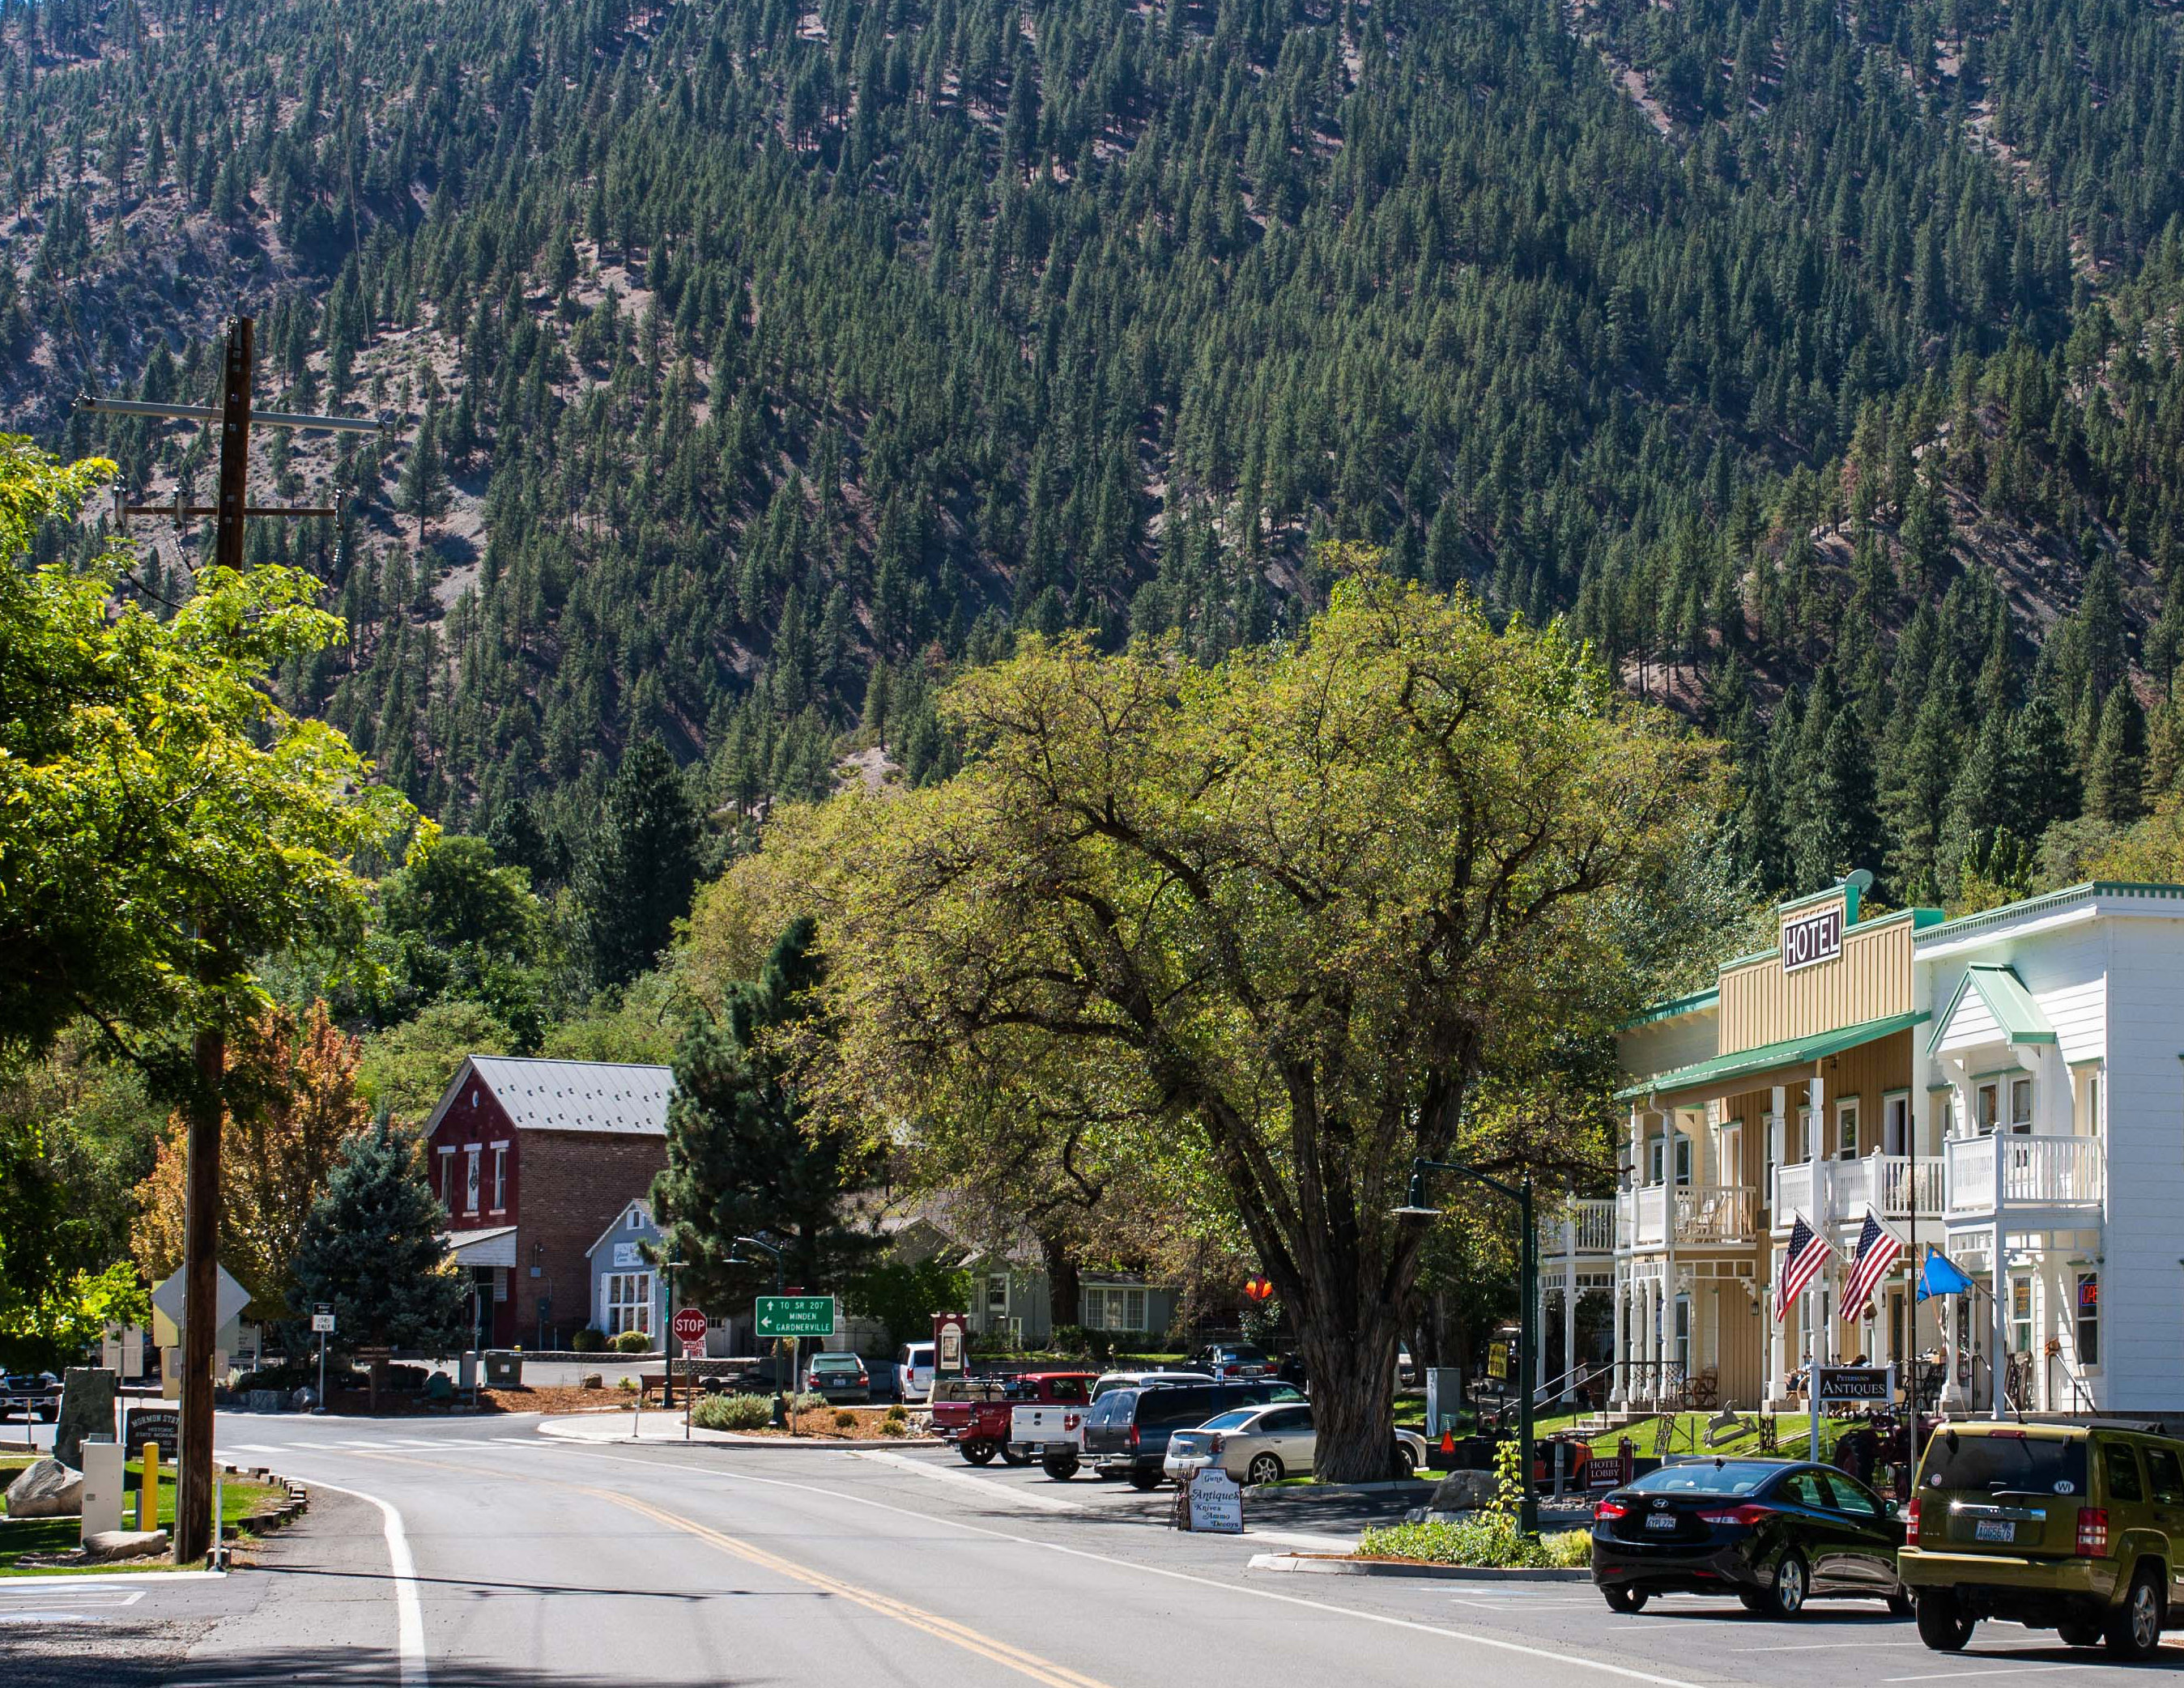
[656, 1426]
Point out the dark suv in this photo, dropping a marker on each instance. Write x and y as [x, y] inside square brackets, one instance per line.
[1128, 1431]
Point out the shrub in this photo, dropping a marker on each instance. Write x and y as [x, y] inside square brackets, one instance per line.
[632, 1342]
[844, 1420]
[732, 1412]
[810, 1402]
[626, 1385]
[591, 1340]
[893, 1426]
[898, 1414]
[1488, 1538]
[1077, 1341]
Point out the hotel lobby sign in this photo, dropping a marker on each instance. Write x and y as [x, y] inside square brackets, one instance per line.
[1810, 939]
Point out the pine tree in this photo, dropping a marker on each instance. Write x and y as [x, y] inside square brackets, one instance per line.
[2043, 774]
[637, 878]
[742, 1158]
[2115, 777]
[371, 1248]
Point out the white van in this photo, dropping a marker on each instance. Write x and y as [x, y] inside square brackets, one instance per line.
[913, 1371]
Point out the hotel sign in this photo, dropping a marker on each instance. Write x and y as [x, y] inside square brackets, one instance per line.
[1810, 939]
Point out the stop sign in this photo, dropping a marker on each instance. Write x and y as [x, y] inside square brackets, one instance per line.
[689, 1325]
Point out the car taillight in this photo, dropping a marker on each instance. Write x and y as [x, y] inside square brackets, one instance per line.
[1133, 1438]
[1608, 1509]
[1744, 1516]
[1069, 1421]
[1911, 1523]
[2093, 1532]
[1218, 1442]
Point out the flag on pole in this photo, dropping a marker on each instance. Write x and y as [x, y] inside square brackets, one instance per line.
[1800, 1262]
[1878, 1250]
[1941, 1276]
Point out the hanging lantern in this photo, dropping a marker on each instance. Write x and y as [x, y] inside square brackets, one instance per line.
[1259, 1289]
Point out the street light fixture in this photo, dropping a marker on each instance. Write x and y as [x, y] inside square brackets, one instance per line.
[1414, 1210]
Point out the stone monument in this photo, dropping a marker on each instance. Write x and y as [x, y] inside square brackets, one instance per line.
[88, 1393]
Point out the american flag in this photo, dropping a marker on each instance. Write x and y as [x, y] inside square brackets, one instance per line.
[1877, 1250]
[1807, 1253]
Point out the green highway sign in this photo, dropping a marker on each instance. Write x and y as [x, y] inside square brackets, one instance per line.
[795, 1315]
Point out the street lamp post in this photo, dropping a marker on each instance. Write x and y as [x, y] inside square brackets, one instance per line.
[667, 1334]
[1528, 1275]
[736, 1258]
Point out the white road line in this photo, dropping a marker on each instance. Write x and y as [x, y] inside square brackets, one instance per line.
[986, 1486]
[255, 1447]
[1860, 1644]
[1325, 1608]
[408, 1614]
[1999, 1670]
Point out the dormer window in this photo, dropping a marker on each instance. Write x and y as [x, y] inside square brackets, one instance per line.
[635, 1221]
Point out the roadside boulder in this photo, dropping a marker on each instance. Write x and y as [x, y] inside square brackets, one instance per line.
[1463, 1491]
[46, 1490]
[88, 1393]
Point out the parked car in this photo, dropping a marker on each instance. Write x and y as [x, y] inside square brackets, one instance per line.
[887, 1380]
[913, 1370]
[984, 1429]
[954, 1400]
[1264, 1444]
[1051, 1432]
[1110, 1381]
[31, 1394]
[2076, 1528]
[1233, 1362]
[1127, 1434]
[1407, 1369]
[841, 1377]
[1773, 1533]
[769, 1375]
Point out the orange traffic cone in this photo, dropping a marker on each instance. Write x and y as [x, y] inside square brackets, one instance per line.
[1447, 1439]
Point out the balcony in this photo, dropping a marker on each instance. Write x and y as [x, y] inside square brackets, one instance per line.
[2037, 1171]
[1838, 1192]
[1707, 1216]
[1585, 1225]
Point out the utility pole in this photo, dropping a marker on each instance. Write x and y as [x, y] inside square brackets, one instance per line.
[193, 1486]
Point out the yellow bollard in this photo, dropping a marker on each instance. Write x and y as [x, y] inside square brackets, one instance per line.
[147, 1493]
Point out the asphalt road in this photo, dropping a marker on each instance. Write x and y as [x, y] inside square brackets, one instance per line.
[514, 1561]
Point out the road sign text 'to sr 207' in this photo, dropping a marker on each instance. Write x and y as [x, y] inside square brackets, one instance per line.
[795, 1315]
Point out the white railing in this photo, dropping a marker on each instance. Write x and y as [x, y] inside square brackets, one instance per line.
[1585, 1225]
[1706, 1213]
[1834, 1192]
[2037, 1171]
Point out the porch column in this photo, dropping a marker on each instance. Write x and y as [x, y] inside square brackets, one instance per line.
[1617, 1298]
[1569, 1327]
[1997, 1358]
[1775, 1370]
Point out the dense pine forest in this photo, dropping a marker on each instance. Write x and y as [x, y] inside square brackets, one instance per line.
[755, 368]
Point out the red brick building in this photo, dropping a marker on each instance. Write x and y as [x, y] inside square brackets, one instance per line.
[533, 1160]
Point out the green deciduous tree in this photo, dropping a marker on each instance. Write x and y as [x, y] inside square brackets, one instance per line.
[1279, 924]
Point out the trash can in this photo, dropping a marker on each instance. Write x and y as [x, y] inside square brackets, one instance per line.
[503, 1368]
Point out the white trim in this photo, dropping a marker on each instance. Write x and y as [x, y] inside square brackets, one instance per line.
[636, 1201]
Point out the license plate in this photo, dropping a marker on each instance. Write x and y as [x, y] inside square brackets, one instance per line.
[1661, 1521]
[1994, 1529]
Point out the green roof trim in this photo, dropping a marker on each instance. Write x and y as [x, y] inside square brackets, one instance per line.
[1846, 891]
[1791, 1052]
[1920, 919]
[2054, 900]
[1694, 1003]
[2007, 1000]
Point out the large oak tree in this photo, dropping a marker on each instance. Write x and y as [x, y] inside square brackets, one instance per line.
[1284, 923]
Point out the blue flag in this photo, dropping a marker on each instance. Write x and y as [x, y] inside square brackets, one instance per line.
[1941, 1276]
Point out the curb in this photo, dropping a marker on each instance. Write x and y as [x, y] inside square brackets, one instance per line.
[1330, 1565]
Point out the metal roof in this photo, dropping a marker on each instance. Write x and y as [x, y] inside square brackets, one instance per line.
[1790, 1052]
[578, 1095]
[2007, 1000]
[493, 1247]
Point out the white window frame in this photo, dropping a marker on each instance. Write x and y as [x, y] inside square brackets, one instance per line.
[633, 1221]
[626, 1302]
[447, 1177]
[1113, 1307]
[1986, 1107]
[2022, 1324]
[1845, 1128]
[2020, 1085]
[2080, 1320]
[472, 1153]
[499, 1176]
[997, 1309]
[1896, 1123]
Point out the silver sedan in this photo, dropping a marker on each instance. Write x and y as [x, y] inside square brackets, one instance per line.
[1265, 1444]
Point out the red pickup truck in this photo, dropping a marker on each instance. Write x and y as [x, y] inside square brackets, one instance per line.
[974, 1413]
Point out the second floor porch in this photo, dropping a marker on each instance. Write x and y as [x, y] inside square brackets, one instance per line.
[1686, 1215]
[1838, 1192]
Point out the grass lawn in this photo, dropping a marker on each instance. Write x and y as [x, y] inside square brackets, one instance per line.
[239, 1499]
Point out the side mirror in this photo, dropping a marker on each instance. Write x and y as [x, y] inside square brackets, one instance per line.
[1890, 1507]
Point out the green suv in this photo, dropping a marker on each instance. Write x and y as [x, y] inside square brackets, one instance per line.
[2078, 1528]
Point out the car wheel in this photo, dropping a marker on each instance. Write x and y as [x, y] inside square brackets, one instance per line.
[2081, 1632]
[2134, 1629]
[1624, 1599]
[977, 1453]
[1263, 1468]
[1406, 1462]
[1012, 1456]
[1146, 1481]
[1899, 1604]
[1942, 1624]
[1061, 1470]
[1793, 1581]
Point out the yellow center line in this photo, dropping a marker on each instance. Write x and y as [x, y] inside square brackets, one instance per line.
[1041, 1670]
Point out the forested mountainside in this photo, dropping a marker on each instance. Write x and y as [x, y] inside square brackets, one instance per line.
[754, 365]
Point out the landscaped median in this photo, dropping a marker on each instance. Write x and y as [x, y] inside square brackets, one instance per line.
[51, 1546]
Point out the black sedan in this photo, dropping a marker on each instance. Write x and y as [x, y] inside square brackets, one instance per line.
[1774, 1534]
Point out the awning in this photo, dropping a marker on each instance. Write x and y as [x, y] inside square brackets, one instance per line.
[2006, 999]
[1791, 1052]
[493, 1247]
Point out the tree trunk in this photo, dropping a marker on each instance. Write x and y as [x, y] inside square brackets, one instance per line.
[1064, 1291]
[1352, 1365]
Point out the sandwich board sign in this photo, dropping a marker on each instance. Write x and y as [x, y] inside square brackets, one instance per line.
[1212, 1503]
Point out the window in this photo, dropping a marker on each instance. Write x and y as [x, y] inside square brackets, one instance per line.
[447, 1179]
[634, 1220]
[2020, 1105]
[2092, 1104]
[2089, 1319]
[1683, 1334]
[499, 1176]
[2020, 1314]
[997, 1294]
[1987, 1103]
[1847, 1129]
[2119, 1465]
[1108, 1307]
[1895, 1124]
[2165, 1476]
[1804, 1134]
[629, 1302]
[1683, 1158]
[1851, 1497]
[1802, 1488]
[471, 1178]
